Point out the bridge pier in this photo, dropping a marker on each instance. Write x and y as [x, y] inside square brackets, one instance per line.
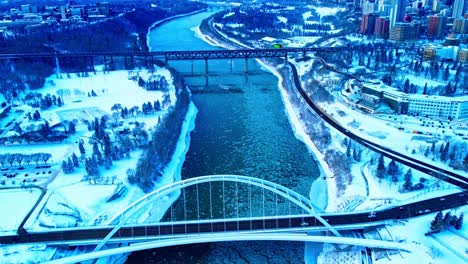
[92, 64]
[230, 65]
[206, 66]
[192, 66]
[246, 65]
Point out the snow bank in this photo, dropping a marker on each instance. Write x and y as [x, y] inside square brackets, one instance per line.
[172, 172]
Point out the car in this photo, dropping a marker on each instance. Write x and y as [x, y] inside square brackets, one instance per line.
[442, 199]
[304, 224]
[427, 211]
[371, 215]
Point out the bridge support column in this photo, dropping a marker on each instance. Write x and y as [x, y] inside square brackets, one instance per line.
[246, 65]
[286, 59]
[206, 66]
[92, 64]
[230, 65]
[192, 66]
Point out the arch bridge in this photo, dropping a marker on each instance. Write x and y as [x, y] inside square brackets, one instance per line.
[233, 232]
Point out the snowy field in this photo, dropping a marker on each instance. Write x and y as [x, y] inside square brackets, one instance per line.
[16, 203]
[447, 247]
[110, 88]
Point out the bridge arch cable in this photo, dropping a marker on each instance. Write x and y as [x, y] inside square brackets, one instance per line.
[121, 218]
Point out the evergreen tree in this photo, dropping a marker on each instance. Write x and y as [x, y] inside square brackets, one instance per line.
[445, 152]
[437, 223]
[348, 150]
[107, 145]
[65, 167]
[107, 162]
[459, 223]
[71, 128]
[425, 89]
[381, 167]
[92, 166]
[81, 147]
[406, 86]
[447, 220]
[393, 168]
[408, 185]
[446, 74]
[70, 164]
[97, 153]
[465, 162]
[75, 160]
[157, 106]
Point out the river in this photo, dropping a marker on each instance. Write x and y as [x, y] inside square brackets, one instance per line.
[246, 132]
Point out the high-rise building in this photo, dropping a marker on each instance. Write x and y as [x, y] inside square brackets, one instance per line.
[460, 26]
[384, 8]
[437, 5]
[397, 11]
[369, 7]
[436, 27]
[403, 32]
[460, 7]
[368, 24]
[382, 27]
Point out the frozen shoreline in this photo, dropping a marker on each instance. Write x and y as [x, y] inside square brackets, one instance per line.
[173, 170]
[162, 21]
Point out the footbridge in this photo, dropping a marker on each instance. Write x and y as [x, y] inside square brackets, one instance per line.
[228, 208]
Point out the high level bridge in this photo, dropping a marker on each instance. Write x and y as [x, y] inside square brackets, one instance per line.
[149, 58]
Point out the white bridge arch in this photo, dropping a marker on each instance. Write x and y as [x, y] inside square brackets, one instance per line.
[123, 216]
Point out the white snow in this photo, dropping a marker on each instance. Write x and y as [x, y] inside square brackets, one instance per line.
[234, 25]
[229, 14]
[328, 11]
[298, 42]
[413, 230]
[111, 88]
[307, 15]
[283, 19]
[16, 203]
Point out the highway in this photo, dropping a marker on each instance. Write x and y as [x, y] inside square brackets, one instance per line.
[95, 234]
[445, 175]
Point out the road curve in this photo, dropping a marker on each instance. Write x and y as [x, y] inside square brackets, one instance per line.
[445, 175]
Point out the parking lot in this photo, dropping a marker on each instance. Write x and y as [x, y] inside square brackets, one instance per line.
[25, 175]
